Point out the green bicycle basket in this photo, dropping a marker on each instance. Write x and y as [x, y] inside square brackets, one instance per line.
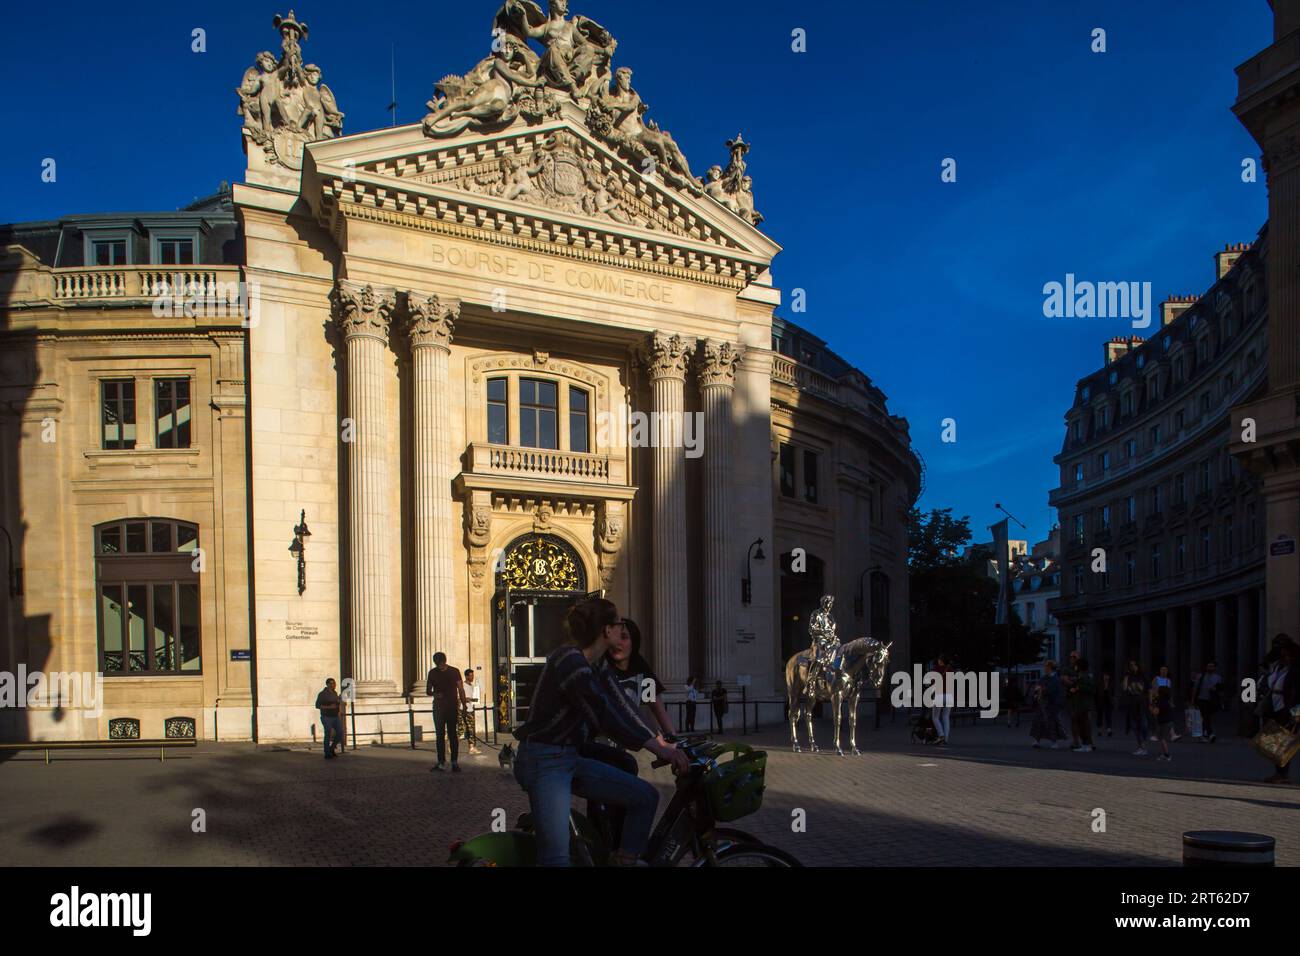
[735, 788]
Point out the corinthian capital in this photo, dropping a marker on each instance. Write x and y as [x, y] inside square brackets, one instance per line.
[361, 310]
[431, 320]
[718, 361]
[666, 356]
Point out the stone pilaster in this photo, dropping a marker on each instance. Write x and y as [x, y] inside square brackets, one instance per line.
[1249, 653]
[363, 316]
[1221, 639]
[430, 325]
[1144, 644]
[666, 358]
[717, 376]
[1196, 638]
[1174, 653]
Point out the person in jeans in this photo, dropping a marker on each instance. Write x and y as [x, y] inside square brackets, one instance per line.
[572, 701]
[1047, 717]
[719, 700]
[1105, 705]
[941, 713]
[330, 706]
[1206, 694]
[1082, 700]
[448, 692]
[1134, 689]
[1162, 711]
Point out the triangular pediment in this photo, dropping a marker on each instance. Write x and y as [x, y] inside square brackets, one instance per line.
[551, 182]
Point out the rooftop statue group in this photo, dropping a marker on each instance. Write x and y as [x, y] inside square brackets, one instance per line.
[577, 63]
[283, 102]
[834, 672]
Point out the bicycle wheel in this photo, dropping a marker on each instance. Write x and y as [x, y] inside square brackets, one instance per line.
[752, 854]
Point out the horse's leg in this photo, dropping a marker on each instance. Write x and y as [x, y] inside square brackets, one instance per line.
[810, 704]
[792, 699]
[853, 722]
[837, 701]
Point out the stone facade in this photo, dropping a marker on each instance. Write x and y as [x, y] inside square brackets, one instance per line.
[492, 368]
[1148, 486]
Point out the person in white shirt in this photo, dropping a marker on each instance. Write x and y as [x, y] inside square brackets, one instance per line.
[692, 700]
[468, 715]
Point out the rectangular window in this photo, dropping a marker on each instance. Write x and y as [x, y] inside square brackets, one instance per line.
[787, 471]
[1078, 579]
[1131, 448]
[538, 413]
[810, 476]
[175, 252]
[1155, 436]
[1030, 616]
[579, 420]
[1103, 522]
[1155, 562]
[1180, 553]
[172, 409]
[1105, 463]
[1180, 488]
[1130, 568]
[1205, 545]
[1128, 403]
[117, 400]
[1130, 509]
[1078, 472]
[1078, 529]
[1205, 480]
[108, 252]
[1178, 420]
[1157, 501]
[1205, 402]
[498, 412]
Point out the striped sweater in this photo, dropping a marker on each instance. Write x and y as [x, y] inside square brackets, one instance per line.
[574, 700]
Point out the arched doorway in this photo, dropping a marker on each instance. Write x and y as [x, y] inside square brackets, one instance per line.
[538, 580]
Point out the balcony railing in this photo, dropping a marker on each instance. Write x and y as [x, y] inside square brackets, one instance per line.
[545, 464]
[108, 283]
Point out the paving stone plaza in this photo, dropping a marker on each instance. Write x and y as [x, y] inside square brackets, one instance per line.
[989, 799]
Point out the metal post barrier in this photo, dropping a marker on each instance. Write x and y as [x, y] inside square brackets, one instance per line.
[410, 714]
[352, 715]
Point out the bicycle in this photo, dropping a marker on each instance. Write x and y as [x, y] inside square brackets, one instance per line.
[707, 793]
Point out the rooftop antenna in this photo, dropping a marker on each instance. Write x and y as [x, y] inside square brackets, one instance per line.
[392, 107]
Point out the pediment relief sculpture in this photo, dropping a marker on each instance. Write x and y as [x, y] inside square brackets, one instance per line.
[575, 65]
[283, 102]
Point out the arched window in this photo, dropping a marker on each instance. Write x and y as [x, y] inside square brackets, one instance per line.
[147, 590]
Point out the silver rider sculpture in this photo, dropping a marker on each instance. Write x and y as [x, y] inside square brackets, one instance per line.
[832, 672]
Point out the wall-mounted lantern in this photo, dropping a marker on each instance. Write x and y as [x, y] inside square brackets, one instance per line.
[300, 534]
[746, 583]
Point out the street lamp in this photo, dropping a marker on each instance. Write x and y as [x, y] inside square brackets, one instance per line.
[859, 602]
[300, 532]
[746, 583]
[15, 571]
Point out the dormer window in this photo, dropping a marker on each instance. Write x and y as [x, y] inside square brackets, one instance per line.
[108, 252]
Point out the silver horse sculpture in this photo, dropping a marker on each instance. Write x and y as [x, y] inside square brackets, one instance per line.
[860, 662]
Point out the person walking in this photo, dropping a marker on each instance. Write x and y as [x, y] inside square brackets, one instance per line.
[692, 701]
[1105, 705]
[1281, 693]
[1162, 679]
[1047, 714]
[1162, 712]
[941, 713]
[1206, 694]
[719, 700]
[1134, 690]
[1083, 700]
[1067, 676]
[445, 686]
[468, 716]
[330, 706]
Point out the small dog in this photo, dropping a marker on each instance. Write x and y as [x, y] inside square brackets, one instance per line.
[507, 757]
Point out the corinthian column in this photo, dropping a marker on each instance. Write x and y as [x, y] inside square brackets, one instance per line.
[431, 324]
[363, 316]
[666, 358]
[717, 371]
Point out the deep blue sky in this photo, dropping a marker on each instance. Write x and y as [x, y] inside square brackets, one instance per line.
[1117, 166]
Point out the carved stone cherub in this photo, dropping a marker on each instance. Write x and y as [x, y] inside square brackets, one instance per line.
[257, 93]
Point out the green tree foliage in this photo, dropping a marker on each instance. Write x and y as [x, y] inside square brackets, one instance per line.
[954, 599]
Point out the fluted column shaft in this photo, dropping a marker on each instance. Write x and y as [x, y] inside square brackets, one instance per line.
[717, 390]
[666, 357]
[431, 325]
[1221, 638]
[363, 316]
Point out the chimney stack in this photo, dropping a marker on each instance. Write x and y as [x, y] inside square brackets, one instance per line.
[1174, 306]
[1225, 260]
[1121, 346]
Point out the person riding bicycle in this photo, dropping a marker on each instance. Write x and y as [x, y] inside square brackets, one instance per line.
[574, 700]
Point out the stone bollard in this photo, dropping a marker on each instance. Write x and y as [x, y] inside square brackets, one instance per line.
[1227, 848]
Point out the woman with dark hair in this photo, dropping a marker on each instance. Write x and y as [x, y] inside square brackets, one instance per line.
[1134, 688]
[633, 675]
[574, 699]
